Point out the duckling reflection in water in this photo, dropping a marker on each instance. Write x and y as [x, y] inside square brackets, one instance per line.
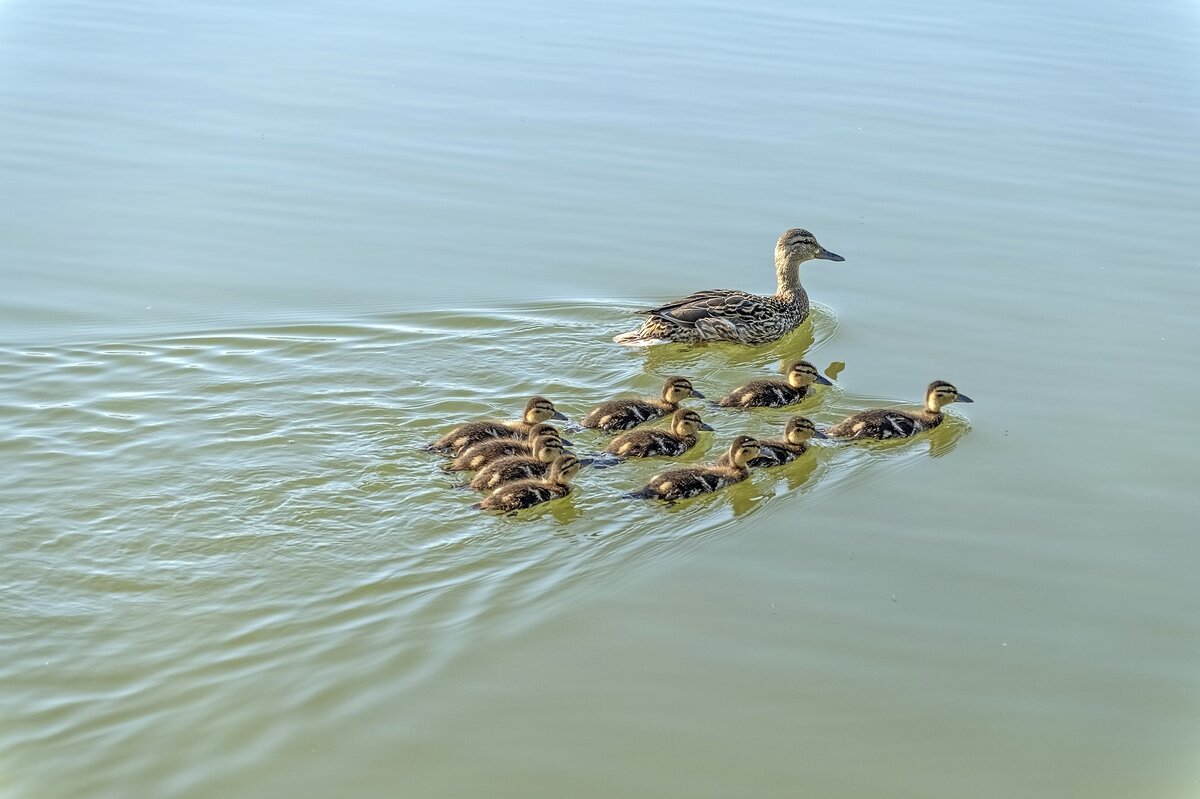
[537, 410]
[546, 450]
[527, 493]
[623, 414]
[801, 375]
[689, 482]
[479, 455]
[888, 423]
[730, 315]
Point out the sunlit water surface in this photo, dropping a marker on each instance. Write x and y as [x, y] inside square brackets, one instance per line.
[256, 256]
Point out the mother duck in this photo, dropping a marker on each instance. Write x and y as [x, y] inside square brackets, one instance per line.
[731, 315]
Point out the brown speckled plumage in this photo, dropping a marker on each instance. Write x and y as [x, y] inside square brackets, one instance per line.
[519, 467]
[794, 443]
[624, 414]
[526, 493]
[732, 315]
[684, 483]
[649, 443]
[887, 423]
[537, 410]
[776, 393]
[479, 455]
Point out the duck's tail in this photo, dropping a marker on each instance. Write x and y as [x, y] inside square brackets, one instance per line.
[645, 493]
[638, 338]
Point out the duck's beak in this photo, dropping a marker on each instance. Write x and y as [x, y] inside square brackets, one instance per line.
[560, 416]
[586, 461]
[707, 426]
[819, 434]
[823, 380]
[826, 255]
[697, 394]
[963, 398]
[566, 443]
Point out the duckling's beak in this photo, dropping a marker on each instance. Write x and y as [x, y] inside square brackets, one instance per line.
[560, 416]
[963, 398]
[823, 380]
[707, 426]
[697, 394]
[826, 255]
[566, 443]
[586, 461]
[819, 434]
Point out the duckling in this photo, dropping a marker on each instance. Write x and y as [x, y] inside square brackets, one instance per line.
[683, 483]
[646, 443]
[776, 393]
[537, 410]
[546, 450]
[478, 455]
[886, 423]
[729, 315]
[623, 414]
[796, 434]
[525, 493]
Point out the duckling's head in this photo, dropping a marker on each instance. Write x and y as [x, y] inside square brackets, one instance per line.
[800, 429]
[803, 373]
[744, 449]
[685, 422]
[547, 448]
[940, 393]
[539, 409]
[797, 245]
[563, 468]
[677, 389]
[543, 430]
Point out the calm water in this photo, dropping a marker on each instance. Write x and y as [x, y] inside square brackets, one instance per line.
[256, 254]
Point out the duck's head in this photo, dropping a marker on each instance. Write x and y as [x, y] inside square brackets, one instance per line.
[744, 449]
[940, 393]
[803, 373]
[797, 245]
[685, 422]
[800, 429]
[677, 389]
[563, 468]
[539, 409]
[543, 430]
[547, 448]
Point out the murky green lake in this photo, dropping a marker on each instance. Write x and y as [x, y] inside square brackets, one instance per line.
[256, 254]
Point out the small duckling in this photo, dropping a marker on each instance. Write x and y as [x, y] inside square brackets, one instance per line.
[526, 493]
[684, 483]
[776, 393]
[646, 443]
[796, 434]
[623, 414]
[884, 423]
[478, 455]
[546, 450]
[537, 410]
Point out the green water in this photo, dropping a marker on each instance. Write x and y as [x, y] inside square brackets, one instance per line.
[255, 256]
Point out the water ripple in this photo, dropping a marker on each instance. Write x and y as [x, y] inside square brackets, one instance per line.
[213, 505]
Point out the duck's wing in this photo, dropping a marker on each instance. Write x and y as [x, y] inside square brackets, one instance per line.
[881, 423]
[703, 305]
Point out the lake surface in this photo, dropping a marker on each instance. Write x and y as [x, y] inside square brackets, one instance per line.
[255, 255]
